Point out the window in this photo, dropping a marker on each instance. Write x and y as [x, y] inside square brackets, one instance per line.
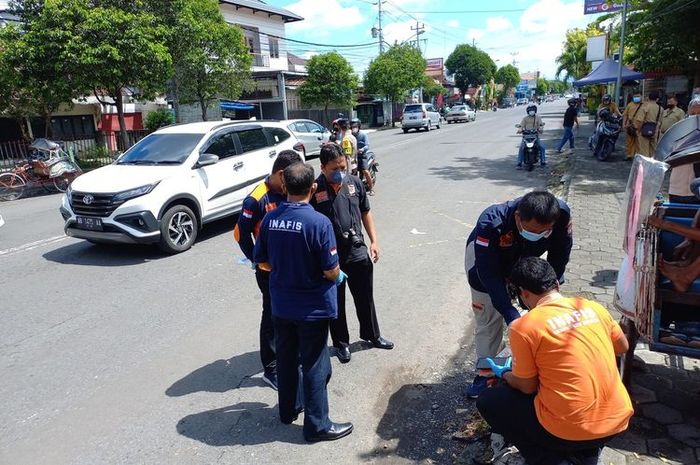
[314, 127]
[413, 108]
[223, 146]
[300, 126]
[274, 47]
[252, 139]
[161, 149]
[277, 135]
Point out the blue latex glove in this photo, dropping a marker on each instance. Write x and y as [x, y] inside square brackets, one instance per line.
[499, 370]
[341, 277]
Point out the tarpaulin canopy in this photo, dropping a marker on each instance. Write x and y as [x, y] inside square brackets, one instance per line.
[231, 105]
[607, 72]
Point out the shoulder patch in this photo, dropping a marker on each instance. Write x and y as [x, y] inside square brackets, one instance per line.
[259, 191]
[506, 240]
[482, 241]
[321, 196]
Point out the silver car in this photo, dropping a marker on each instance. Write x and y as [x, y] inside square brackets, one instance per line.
[309, 133]
[420, 116]
[460, 113]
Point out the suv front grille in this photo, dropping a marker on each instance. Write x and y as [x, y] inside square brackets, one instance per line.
[101, 205]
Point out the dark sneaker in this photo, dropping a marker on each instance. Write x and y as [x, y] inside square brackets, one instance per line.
[270, 377]
[477, 386]
[519, 166]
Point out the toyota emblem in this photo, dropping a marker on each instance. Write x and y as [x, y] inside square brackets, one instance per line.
[88, 199]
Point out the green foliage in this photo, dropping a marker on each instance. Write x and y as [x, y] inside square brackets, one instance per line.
[431, 88]
[331, 81]
[210, 56]
[557, 86]
[395, 72]
[509, 76]
[542, 86]
[159, 118]
[470, 66]
[572, 61]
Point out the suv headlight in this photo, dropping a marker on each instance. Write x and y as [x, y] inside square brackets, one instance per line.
[133, 193]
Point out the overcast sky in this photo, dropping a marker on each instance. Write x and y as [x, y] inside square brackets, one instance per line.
[530, 32]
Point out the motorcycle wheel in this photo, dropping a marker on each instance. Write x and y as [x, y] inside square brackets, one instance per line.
[529, 166]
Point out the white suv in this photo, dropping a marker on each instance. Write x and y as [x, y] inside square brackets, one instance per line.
[164, 188]
[420, 116]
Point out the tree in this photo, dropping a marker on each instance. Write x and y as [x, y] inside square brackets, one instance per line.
[120, 52]
[572, 61]
[210, 57]
[542, 86]
[471, 67]
[431, 88]
[39, 72]
[331, 80]
[395, 72]
[509, 76]
[159, 118]
[557, 86]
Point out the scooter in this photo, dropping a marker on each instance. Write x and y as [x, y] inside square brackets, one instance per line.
[532, 147]
[603, 140]
[372, 167]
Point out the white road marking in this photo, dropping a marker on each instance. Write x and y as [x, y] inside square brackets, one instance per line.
[32, 245]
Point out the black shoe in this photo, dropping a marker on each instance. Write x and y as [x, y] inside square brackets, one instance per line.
[270, 377]
[336, 431]
[381, 343]
[343, 353]
[289, 421]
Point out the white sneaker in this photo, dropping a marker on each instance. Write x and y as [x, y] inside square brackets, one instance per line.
[504, 454]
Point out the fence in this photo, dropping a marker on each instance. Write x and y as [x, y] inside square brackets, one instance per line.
[318, 115]
[89, 153]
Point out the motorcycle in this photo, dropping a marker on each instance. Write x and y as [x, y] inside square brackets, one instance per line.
[532, 147]
[372, 167]
[603, 140]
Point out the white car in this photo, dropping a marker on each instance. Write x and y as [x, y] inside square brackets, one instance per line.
[309, 133]
[419, 116]
[164, 188]
[460, 113]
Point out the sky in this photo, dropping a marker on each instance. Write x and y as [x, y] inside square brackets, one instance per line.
[529, 32]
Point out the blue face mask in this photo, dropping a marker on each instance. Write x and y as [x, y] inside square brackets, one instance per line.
[337, 176]
[534, 237]
[636, 99]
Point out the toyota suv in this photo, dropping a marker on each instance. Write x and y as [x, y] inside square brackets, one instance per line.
[164, 188]
[420, 116]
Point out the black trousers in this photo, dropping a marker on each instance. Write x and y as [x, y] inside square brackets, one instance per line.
[305, 343]
[511, 414]
[360, 281]
[267, 329]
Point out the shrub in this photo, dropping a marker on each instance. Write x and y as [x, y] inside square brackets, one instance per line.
[159, 118]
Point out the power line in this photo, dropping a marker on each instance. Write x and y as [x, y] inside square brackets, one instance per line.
[373, 44]
[464, 11]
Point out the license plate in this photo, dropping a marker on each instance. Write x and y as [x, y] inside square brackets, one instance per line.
[412, 117]
[91, 224]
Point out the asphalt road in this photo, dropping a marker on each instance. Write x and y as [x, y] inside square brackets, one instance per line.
[121, 355]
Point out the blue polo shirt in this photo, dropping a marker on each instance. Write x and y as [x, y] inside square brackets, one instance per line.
[299, 244]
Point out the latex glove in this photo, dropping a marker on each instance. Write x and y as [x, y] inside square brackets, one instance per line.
[499, 370]
[341, 277]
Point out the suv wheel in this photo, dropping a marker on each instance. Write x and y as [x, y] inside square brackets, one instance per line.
[178, 229]
[429, 126]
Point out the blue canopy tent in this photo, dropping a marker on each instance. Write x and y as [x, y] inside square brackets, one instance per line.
[607, 72]
[233, 105]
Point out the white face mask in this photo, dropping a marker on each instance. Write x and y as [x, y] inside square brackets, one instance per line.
[531, 113]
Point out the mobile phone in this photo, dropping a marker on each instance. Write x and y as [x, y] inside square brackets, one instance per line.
[482, 364]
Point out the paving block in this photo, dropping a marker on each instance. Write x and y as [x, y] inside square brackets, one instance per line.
[642, 395]
[662, 413]
[610, 456]
[687, 434]
[653, 381]
[673, 451]
[630, 442]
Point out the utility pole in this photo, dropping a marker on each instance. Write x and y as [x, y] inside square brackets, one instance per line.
[381, 34]
[514, 54]
[420, 29]
[618, 82]
[474, 42]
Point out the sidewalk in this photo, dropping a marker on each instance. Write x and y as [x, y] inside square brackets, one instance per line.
[665, 427]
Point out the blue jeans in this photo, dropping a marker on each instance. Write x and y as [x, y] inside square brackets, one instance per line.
[521, 152]
[303, 342]
[568, 136]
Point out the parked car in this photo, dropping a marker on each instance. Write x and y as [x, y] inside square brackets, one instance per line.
[460, 113]
[522, 101]
[164, 188]
[310, 134]
[420, 116]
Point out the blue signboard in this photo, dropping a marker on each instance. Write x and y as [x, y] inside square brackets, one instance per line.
[601, 6]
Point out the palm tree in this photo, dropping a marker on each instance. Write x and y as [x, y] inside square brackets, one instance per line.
[572, 61]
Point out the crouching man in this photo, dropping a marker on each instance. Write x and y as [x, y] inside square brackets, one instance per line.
[563, 398]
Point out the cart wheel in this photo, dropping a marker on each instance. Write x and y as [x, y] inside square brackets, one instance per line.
[62, 182]
[11, 186]
[626, 360]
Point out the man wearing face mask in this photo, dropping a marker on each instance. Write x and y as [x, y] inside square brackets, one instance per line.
[563, 398]
[362, 149]
[632, 121]
[649, 125]
[530, 122]
[343, 199]
[524, 227]
[671, 115]
[265, 197]
[347, 141]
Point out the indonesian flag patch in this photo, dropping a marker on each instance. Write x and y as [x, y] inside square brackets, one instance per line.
[247, 213]
[482, 241]
[334, 251]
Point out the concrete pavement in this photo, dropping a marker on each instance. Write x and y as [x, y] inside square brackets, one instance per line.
[124, 355]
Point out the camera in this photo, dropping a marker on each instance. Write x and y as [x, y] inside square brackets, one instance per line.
[352, 238]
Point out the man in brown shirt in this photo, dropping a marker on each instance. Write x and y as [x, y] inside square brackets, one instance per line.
[671, 115]
[651, 113]
[631, 122]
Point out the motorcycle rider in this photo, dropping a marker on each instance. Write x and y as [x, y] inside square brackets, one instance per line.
[362, 150]
[610, 105]
[347, 141]
[531, 122]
